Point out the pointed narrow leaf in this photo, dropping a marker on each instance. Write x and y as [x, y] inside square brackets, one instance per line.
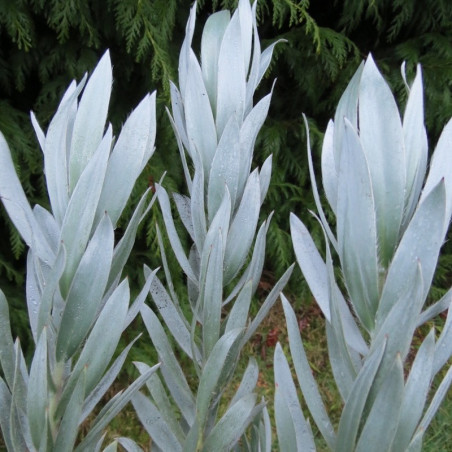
[243, 228]
[354, 406]
[104, 384]
[154, 424]
[134, 146]
[440, 164]
[314, 270]
[103, 339]
[174, 376]
[173, 320]
[212, 293]
[248, 133]
[443, 349]
[411, 251]
[231, 84]
[81, 210]
[37, 394]
[201, 132]
[111, 409]
[357, 229]
[286, 388]
[231, 426]
[164, 405]
[57, 149]
[239, 313]
[305, 378]
[381, 424]
[268, 303]
[416, 145]
[381, 134]
[172, 233]
[68, 428]
[217, 371]
[7, 359]
[212, 36]
[124, 247]
[17, 206]
[248, 382]
[415, 394]
[90, 120]
[329, 167]
[225, 169]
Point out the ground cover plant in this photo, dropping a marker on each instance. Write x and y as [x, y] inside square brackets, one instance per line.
[204, 403]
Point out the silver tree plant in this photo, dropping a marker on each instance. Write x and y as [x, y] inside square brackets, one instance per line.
[216, 125]
[78, 306]
[390, 225]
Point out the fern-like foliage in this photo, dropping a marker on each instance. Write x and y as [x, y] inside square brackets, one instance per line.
[46, 43]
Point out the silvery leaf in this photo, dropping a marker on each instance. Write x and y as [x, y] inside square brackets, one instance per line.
[68, 428]
[248, 133]
[412, 250]
[17, 206]
[265, 176]
[212, 293]
[291, 409]
[104, 384]
[416, 146]
[356, 228]
[111, 409]
[239, 313]
[225, 168]
[172, 233]
[437, 399]
[134, 147]
[183, 206]
[104, 337]
[415, 394]
[7, 357]
[37, 393]
[154, 424]
[231, 84]
[329, 167]
[57, 149]
[381, 135]
[232, 424]
[248, 382]
[443, 349]
[81, 210]
[354, 406]
[217, 371]
[346, 108]
[90, 120]
[201, 132]
[123, 248]
[268, 303]
[173, 320]
[314, 270]
[162, 401]
[440, 164]
[184, 56]
[86, 291]
[243, 228]
[305, 378]
[212, 37]
[381, 424]
[174, 376]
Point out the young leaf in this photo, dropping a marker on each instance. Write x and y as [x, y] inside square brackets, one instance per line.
[90, 120]
[305, 378]
[290, 405]
[37, 394]
[154, 424]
